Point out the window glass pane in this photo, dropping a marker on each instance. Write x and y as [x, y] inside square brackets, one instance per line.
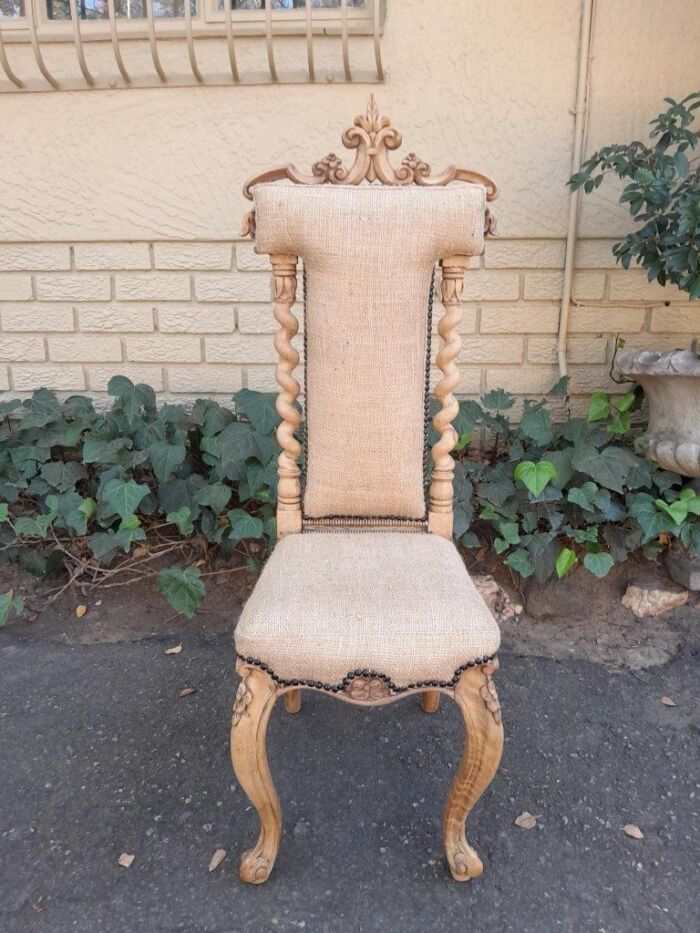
[125, 9]
[291, 4]
[11, 8]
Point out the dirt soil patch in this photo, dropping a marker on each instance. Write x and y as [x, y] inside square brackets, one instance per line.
[582, 617]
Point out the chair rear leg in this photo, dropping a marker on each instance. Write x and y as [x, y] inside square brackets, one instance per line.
[292, 701]
[251, 711]
[476, 697]
[430, 701]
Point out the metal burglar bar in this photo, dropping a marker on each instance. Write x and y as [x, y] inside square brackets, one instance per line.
[39, 24]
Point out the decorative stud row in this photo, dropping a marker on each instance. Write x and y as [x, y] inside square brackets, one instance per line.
[366, 684]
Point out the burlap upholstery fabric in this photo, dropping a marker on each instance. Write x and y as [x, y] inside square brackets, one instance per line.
[398, 604]
[369, 252]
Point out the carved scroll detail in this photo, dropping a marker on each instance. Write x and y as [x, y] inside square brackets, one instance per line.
[241, 702]
[284, 275]
[373, 138]
[367, 688]
[440, 496]
[488, 691]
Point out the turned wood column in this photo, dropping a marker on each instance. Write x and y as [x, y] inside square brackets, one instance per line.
[284, 277]
[440, 518]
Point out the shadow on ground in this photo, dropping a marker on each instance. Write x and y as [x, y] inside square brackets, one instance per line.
[100, 756]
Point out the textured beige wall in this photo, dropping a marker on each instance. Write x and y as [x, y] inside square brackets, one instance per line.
[119, 210]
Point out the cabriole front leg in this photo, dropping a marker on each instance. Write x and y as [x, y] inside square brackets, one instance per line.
[251, 711]
[476, 697]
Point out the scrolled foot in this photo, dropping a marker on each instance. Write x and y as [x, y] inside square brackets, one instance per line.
[255, 866]
[464, 863]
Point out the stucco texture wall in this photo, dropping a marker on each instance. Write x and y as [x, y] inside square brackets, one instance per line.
[120, 210]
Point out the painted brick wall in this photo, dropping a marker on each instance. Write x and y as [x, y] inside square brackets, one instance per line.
[195, 319]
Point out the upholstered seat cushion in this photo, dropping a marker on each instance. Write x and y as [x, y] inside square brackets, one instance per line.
[398, 604]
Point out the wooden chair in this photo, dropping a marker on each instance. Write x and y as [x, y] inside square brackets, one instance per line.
[365, 598]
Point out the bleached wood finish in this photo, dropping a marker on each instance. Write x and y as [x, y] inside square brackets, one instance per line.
[292, 701]
[476, 697]
[440, 516]
[284, 278]
[430, 701]
[373, 138]
[251, 711]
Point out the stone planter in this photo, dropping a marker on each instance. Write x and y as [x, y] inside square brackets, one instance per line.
[671, 383]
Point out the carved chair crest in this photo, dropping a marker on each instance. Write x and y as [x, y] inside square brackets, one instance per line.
[373, 137]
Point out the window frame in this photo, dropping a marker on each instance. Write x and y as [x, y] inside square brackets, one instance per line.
[360, 22]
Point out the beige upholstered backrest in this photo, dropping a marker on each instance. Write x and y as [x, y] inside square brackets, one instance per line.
[369, 236]
[369, 253]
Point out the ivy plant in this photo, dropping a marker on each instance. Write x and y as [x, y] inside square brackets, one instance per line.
[662, 192]
[135, 488]
[92, 492]
[549, 496]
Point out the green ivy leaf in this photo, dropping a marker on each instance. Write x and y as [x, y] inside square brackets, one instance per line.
[469, 540]
[581, 496]
[625, 402]
[231, 448]
[63, 476]
[642, 508]
[608, 467]
[535, 476]
[244, 525]
[498, 400]
[599, 407]
[124, 497]
[37, 527]
[598, 563]
[104, 452]
[4, 512]
[183, 519]
[620, 424]
[166, 459]
[499, 545]
[560, 389]
[128, 532]
[510, 532]
[520, 562]
[536, 424]
[691, 500]
[183, 588]
[216, 496]
[565, 561]
[9, 602]
[131, 397]
[103, 545]
[259, 408]
[87, 507]
[543, 550]
[678, 510]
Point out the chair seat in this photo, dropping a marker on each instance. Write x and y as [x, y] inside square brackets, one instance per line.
[394, 604]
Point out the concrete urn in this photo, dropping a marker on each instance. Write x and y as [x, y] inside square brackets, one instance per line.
[671, 383]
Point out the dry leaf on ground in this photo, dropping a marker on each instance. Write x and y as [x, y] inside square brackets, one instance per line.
[125, 860]
[667, 701]
[187, 692]
[216, 859]
[80, 610]
[631, 829]
[527, 820]
[176, 649]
